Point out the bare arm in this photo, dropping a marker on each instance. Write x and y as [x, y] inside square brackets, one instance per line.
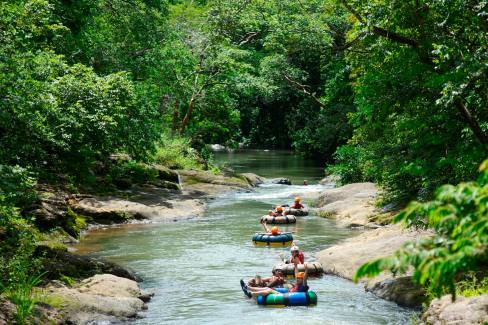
[305, 277]
[264, 226]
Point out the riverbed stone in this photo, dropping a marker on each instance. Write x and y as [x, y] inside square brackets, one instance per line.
[463, 311]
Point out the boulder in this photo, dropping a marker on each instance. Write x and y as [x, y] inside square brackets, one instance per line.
[281, 181]
[401, 290]
[58, 261]
[465, 311]
[101, 298]
[217, 147]
[253, 179]
[330, 180]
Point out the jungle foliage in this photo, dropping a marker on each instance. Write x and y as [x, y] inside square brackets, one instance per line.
[456, 252]
[393, 92]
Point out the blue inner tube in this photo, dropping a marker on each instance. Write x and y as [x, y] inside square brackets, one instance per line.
[265, 238]
[308, 298]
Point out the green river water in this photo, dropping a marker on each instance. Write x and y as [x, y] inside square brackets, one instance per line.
[194, 266]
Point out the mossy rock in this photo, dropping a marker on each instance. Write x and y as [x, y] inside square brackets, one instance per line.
[166, 174]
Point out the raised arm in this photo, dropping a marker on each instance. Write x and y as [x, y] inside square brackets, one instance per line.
[264, 226]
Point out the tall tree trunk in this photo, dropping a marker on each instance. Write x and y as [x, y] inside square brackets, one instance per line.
[186, 119]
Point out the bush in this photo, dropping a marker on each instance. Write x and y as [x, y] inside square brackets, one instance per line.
[131, 172]
[17, 186]
[19, 271]
[177, 153]
[348, 164]
[458, 214]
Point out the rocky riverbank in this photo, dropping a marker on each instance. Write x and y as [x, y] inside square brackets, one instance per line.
[95, 290]
[352, 206]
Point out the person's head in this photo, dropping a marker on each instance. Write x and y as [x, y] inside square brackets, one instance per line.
[298, 199]
[279, 209]
[278, 272]
[294, 250]
[274, 230]
[300, 277]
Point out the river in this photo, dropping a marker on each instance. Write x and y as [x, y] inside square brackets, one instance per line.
[194, 266]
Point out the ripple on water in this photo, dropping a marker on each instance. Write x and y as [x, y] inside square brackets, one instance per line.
[194, 266]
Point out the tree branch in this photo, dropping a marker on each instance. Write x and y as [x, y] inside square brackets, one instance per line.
[393, 36]
[305, 89]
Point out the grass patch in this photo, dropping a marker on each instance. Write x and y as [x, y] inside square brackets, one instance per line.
[326, 214]
[382, 218]
[472, 286]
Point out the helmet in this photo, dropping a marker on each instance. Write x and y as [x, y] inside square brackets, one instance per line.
[294, 249]
[298, 199]
[300, 275]
[274, 230]
[279, 209]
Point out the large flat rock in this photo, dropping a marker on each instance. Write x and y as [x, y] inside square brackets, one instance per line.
[101, 298]
[346, 257]
[146, 202]
[463, 311]
[350, 205]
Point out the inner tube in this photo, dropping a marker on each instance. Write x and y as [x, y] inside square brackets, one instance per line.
[283, 239]
[314, 268]
[297, 212]
[279, 219]
[283, 299]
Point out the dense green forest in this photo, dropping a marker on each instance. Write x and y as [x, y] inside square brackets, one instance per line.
[393, 92]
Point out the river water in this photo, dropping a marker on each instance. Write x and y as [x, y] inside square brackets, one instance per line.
[194, 266]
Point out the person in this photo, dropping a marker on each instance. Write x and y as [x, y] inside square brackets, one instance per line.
[276, 280]
[273, 231]
[305, 182]
[297, 256]
[302, 277]
[278, 212]
[299, 286]
[297, 204]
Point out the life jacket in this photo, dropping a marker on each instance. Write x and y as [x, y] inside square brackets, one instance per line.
[299, 288]
[301, 257]
[297, 206]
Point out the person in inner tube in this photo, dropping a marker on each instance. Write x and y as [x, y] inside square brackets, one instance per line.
[279, 211]
[299, 286]
[297, 256]
[274, 231]
[276, 280]
[297, 205]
